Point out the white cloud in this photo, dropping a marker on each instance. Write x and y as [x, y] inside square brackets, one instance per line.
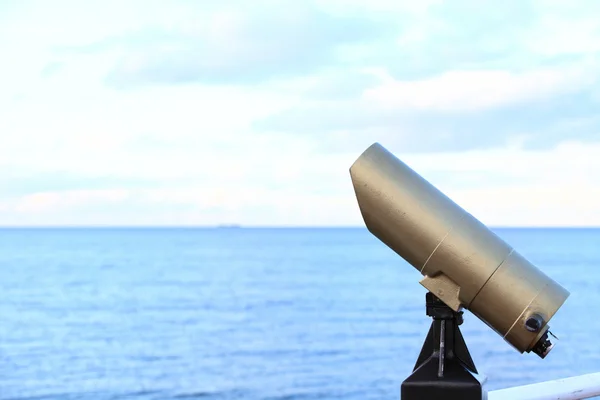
[48, 202]
[379, 6]
[555, 36]
[556, 187]
[534, 205]
[198, 157]
[95, 131]
[478, 90]
[544, 188]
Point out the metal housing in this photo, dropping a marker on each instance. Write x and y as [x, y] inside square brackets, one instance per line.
[463, 262]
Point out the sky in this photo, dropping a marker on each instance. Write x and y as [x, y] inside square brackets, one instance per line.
[192, 112]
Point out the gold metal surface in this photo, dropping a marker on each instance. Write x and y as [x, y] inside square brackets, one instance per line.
[463, 262]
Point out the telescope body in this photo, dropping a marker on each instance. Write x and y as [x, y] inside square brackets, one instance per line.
[463, 262]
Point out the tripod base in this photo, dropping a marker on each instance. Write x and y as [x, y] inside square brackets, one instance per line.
[444, 369]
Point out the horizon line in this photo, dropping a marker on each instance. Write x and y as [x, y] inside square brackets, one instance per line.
[239, 226]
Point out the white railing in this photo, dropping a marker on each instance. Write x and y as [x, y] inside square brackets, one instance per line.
[574, 388]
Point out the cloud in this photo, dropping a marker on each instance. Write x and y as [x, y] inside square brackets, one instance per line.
[477, 35]
[478, 90]
[340, 125]
[502, 187]
[251, 113]
[20, 182]
[51, 201]
[331, 84]
[249, 44]
[240, 46]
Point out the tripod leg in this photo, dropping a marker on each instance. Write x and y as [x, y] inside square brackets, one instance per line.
[462, 352]
[442, 349]
[428, 347]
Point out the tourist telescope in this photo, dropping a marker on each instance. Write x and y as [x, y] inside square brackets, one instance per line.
[465, 266]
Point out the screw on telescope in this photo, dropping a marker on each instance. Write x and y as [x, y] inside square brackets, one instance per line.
[534, 323]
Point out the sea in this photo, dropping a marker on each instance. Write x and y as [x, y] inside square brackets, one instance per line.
[241, 313]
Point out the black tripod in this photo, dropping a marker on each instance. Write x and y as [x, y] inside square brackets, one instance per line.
[444, 369]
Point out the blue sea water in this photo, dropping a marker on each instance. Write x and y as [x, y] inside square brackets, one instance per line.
[252, 314]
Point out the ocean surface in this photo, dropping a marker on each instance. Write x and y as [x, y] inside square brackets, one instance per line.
[253, 314]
